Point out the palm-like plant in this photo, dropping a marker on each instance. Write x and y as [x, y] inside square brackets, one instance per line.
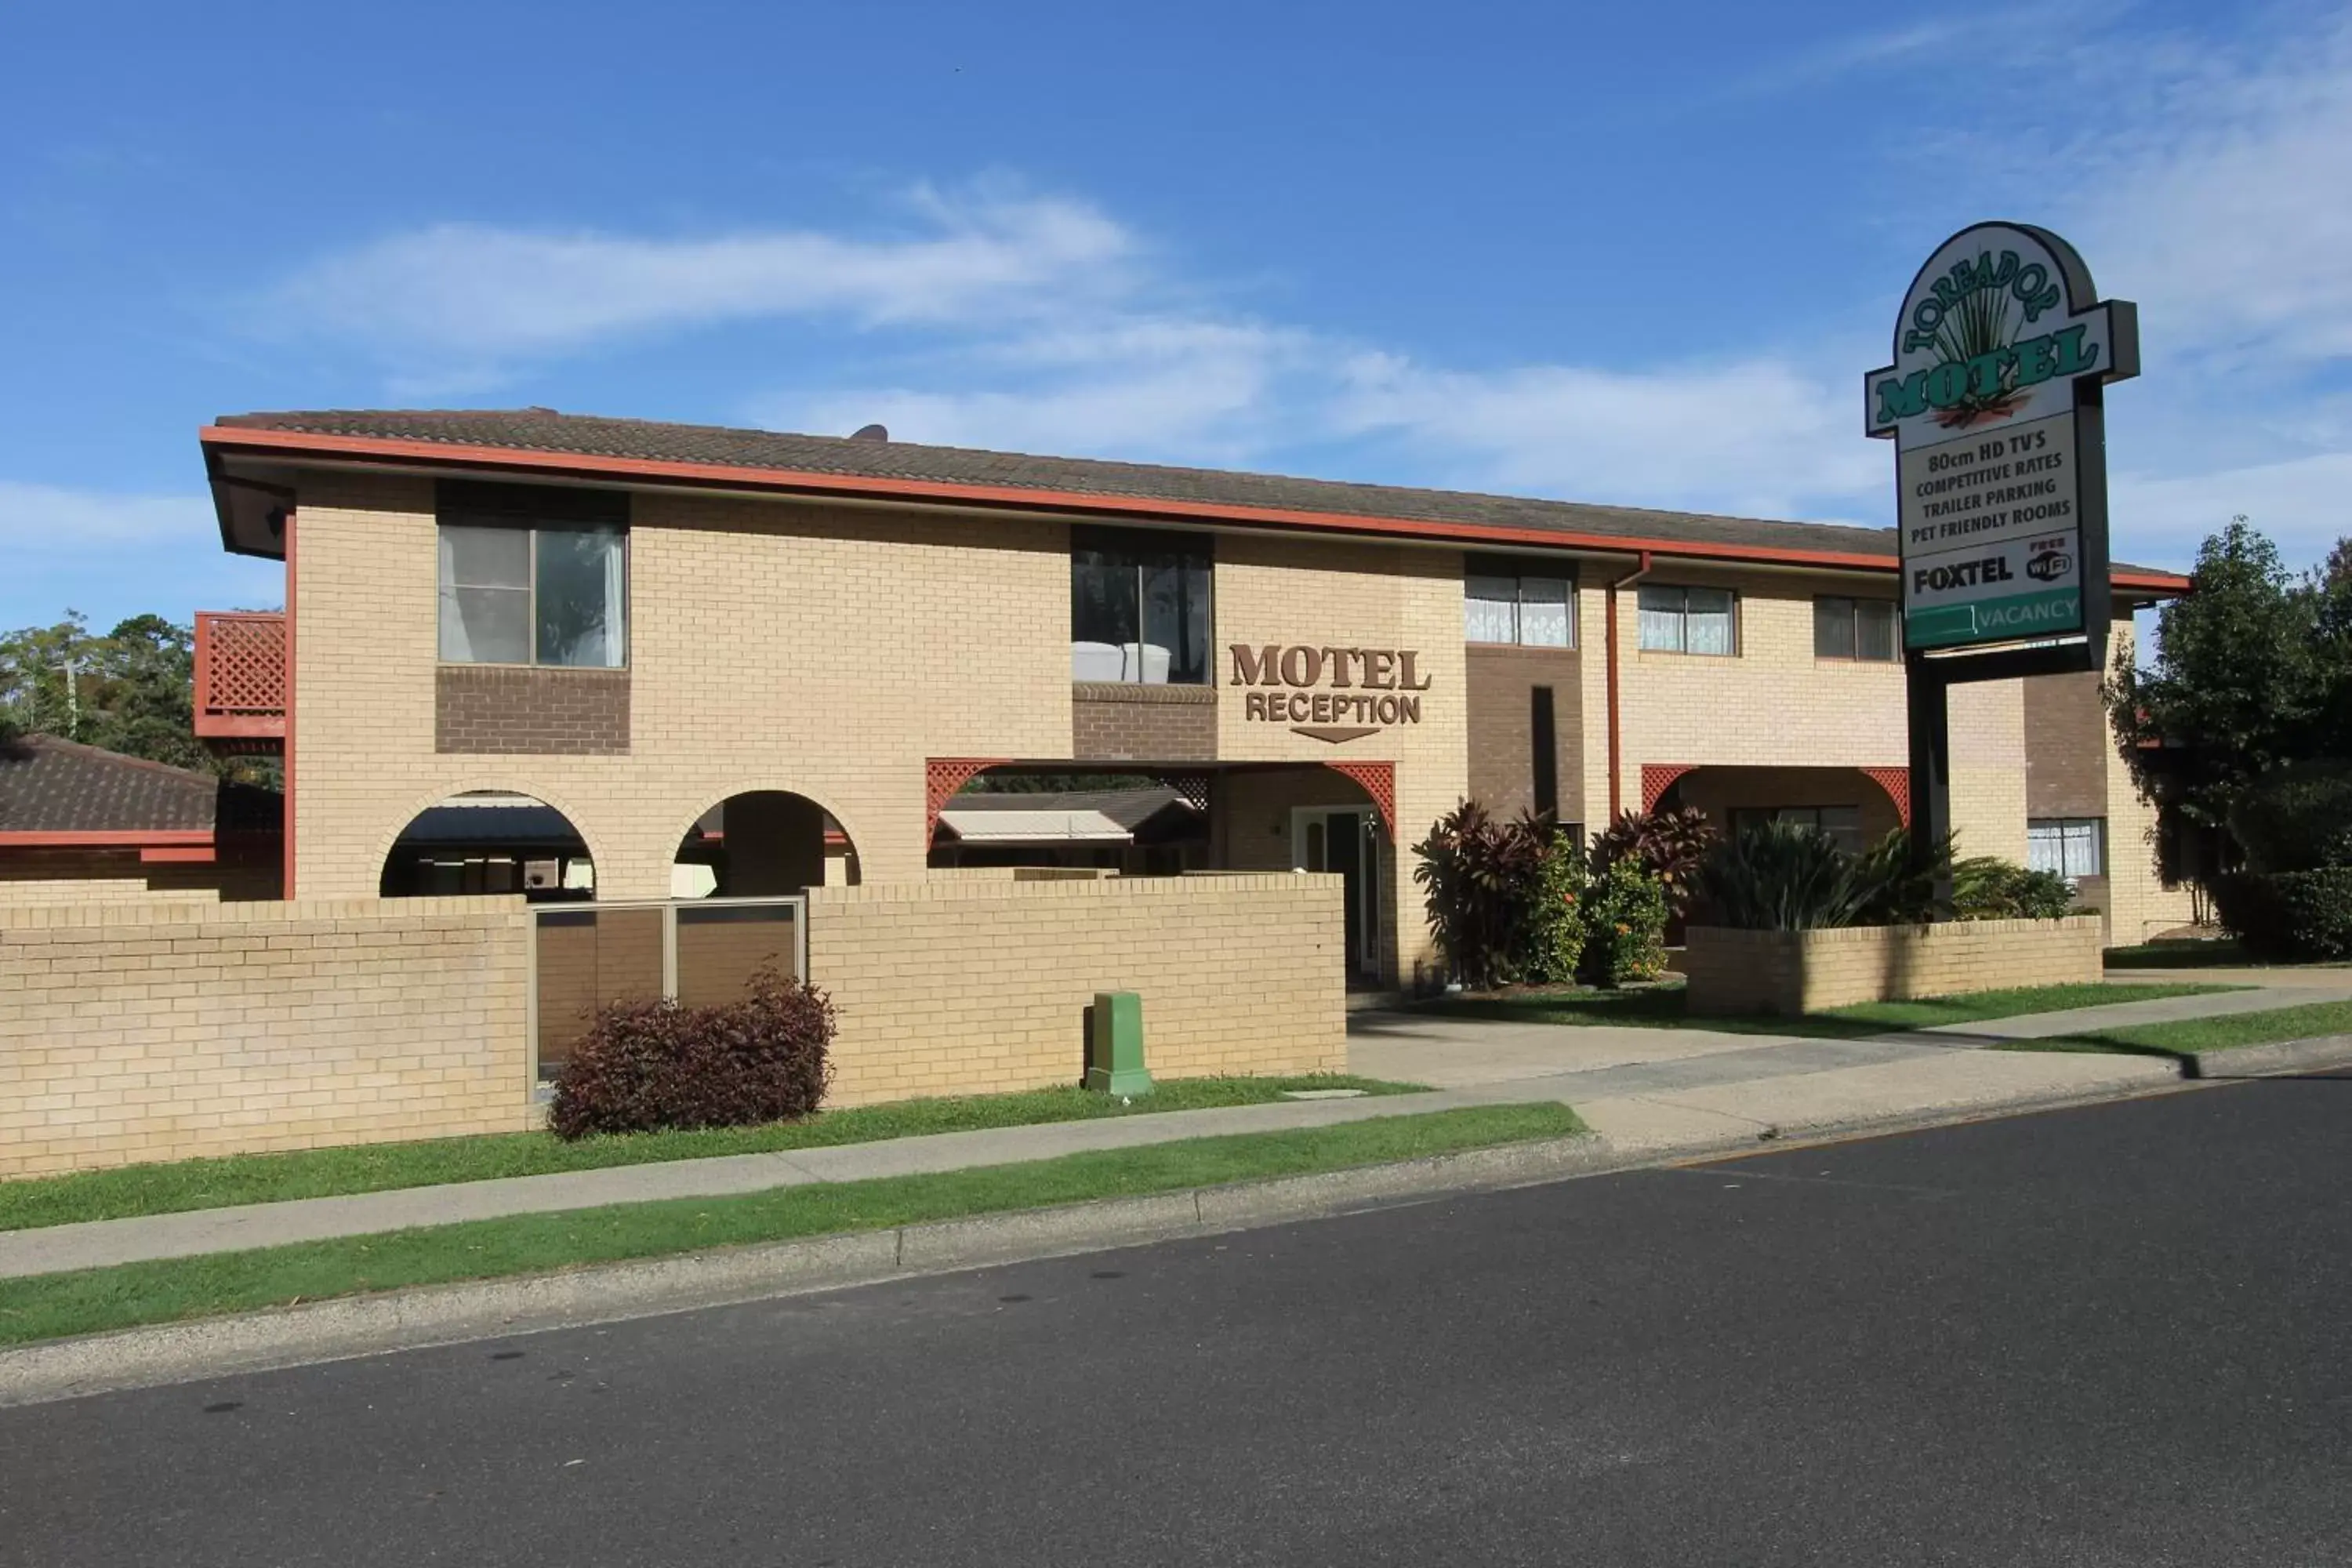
[1789, 876]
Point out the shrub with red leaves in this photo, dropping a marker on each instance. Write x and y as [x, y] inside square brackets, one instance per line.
[645, 1066]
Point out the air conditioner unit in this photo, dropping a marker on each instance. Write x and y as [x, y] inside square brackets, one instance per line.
[542, 874]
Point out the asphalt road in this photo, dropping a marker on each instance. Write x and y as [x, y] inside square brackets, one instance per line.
[2113, 1336]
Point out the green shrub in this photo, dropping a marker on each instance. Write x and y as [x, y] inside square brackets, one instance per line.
[1560, 919]
[1673, 845]
[2288, 916]
[644, 1067]
[2297, 818]
[1624, 926]
[1789, 876]
[1986, 888]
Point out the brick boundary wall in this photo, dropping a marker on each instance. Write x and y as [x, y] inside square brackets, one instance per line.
[972, 986]
[160, 1031]
[1793, 972]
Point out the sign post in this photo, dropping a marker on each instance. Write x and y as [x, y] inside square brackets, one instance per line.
[1996, 405]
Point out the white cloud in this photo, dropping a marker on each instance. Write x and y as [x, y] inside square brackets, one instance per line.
[2301, 504]
[2220, 205]
[477, 293]
[1758, 436]
[48, 519]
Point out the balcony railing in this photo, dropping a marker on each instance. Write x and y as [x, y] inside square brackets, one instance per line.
[241, 675]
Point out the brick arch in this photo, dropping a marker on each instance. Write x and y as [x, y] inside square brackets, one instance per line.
[755, 783]
[1659, 777]
[467, 786]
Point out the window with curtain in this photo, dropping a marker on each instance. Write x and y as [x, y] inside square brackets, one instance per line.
[2071, 846]
[1501, 604]
[1139, 606]
[1866, 629]
[531, 575]
[1686, 620]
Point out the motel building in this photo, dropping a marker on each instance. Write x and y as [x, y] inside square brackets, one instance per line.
[605, 661]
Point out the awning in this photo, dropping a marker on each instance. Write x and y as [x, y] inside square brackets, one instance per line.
[1032, 827]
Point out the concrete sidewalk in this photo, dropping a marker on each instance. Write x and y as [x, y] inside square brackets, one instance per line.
[1637, 1089]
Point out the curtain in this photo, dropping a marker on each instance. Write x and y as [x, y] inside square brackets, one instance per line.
[616, 601]
[455, 647]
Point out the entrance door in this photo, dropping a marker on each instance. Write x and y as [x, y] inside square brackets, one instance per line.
[1346, 840]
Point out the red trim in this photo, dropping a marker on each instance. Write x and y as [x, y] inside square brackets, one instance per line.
[110, 838]
[450, 454]
[187, 857]
[1659, 777]
[1896, 783]
[942, 776]
[286, 752]
[1377, 780]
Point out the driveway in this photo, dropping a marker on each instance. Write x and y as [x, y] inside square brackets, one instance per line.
[1466, 1053]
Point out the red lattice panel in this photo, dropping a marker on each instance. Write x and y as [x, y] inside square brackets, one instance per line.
[1659, 777]
[244, 664]
[1377, 780]
[1896, 783]
[942, 776]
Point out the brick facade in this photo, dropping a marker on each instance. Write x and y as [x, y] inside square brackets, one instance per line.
[496, 710]
[2066, 750]
[1791, 973]
[41, 877]
[1501, 685]
[1126, 722]
[161, 1031]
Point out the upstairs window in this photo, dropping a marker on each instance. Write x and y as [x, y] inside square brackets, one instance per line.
[1866, 629]
[532, 575]
[1687, 620]
[1139, 606]
[1532, 608]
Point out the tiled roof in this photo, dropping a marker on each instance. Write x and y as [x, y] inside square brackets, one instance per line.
[546, 432]
[49, 786]
[543, 430]
[1130, 808]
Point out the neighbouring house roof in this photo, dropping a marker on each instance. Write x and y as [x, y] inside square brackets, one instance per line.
[56, 793]
[493, 819]
[1100, 816]
[648, 451]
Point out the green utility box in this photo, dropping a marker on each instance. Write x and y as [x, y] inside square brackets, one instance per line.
[1115, 1055]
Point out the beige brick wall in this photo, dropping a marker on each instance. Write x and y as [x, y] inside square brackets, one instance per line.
[2139, 905]
[975, 985]
[160, 1031]
[1793, 972]
[773, 645]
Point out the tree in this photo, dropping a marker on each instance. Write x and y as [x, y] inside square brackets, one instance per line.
[130, 691]
[2254, 669]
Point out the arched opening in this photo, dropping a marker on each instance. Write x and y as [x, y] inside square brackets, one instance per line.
[762, 843]
[1853, 805]
[1144, 824]
[489, 841]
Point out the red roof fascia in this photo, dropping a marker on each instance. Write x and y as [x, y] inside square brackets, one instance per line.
[797, 481]
[110, 838]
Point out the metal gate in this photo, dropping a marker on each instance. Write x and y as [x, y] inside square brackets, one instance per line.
[698, 951]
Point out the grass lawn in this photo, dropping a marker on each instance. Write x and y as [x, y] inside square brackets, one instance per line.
[2222, 953]
[2175, 1039]
[1661, 1007]
[46, 1306]
[182, 1184]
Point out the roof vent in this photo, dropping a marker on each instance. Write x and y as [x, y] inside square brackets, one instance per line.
[870, 433]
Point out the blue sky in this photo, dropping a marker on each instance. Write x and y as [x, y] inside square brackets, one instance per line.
[1632, 254]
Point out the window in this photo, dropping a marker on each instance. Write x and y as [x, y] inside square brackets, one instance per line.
[533, 576]
[2071, 846]
[1869, 629]
[1544, 743]
[1686, 620]
[1842, 823]
[1533, 608]
[1139, 606]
